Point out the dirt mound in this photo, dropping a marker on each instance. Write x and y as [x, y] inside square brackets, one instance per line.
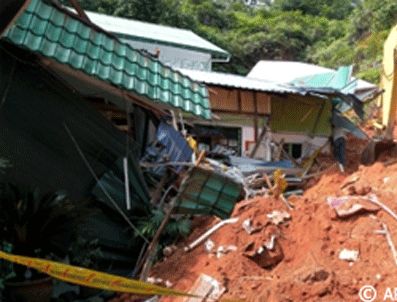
[303, 264]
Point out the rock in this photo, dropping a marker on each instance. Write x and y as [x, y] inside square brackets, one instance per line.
[318, 275]
[247, 226]
[267, 258]
[364, 190]
[278, 217]
[347, 205]
[168, 251]
[271, 243]
[223, 250]
[349, 255]
[350, 180]
[209, 245]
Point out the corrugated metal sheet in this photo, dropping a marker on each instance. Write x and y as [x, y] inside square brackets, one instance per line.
[340, 79]
[154, 33]
[176, 148]
[287, 71]
[49, 31]
[237, 81]
[301, 115]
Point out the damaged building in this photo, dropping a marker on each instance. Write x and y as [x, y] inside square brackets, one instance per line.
[79, 107]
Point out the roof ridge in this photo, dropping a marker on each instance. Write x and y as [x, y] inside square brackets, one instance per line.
[140, 21]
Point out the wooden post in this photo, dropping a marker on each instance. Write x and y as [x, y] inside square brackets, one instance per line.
[151, 251]
[240, 102]
[256, 147]
[256, 130]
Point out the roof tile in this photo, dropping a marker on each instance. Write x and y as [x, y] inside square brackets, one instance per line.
[47, 30]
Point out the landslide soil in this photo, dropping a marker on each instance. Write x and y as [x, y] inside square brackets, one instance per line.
[311, 241]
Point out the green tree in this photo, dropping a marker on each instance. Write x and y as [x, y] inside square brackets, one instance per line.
[329, 33]
[335, 9]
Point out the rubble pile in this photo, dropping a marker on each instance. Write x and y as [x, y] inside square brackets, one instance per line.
[338, 237]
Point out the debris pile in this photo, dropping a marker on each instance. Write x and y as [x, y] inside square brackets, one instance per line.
[339, 237]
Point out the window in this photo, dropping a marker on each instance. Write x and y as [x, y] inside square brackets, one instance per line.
[294, 150]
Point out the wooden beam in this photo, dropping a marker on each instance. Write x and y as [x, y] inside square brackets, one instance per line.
[239, 100]
[256, 147]
[256, 130]
[79, 10]
[236, 112]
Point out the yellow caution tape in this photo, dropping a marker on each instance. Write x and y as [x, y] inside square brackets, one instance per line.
[91, 278]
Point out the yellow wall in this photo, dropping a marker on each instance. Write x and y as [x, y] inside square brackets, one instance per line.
[389, 82]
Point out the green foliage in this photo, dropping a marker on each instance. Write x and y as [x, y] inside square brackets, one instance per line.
[335, 9]
[174, 229]
[329, 33]
[36, 224]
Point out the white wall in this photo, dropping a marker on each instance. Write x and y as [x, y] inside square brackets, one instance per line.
[309, 144]
[176, 57]
[247, 134]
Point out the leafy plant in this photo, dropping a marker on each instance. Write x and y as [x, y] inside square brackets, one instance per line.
[175, 227]
[35, 224]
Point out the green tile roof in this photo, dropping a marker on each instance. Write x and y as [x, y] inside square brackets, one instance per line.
[46, 29]
[207, 192]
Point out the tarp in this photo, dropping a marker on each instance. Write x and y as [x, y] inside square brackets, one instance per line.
[169, 146]
[176, 147]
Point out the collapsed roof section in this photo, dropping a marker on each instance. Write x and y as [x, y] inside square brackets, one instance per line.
[347, 99]
[340, 80]
[289, 71]
[47, 29]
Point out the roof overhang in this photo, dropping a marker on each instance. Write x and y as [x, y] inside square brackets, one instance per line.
[90, 87]
[51, 32]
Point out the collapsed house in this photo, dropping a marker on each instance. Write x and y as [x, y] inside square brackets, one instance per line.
[79, 107]
[297, 115]
[83, 111]
[339, 85]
